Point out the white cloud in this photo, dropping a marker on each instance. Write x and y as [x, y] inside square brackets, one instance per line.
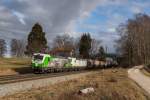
[136, 9]
[111, 30]
[55, 16]
[20, 17]
[85, 14]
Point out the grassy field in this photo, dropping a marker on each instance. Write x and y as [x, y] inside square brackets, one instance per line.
[109, 84]
[11, 65]
[14, 62]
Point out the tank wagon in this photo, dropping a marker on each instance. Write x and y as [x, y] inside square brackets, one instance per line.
[47, 63]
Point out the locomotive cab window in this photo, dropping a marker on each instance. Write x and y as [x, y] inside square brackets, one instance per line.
[38, 57]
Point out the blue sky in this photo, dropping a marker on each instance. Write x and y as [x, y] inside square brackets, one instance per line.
[98, 17]
[115, 13]
[104, 19]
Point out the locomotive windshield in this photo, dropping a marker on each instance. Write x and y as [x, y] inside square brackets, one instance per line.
[38, 57]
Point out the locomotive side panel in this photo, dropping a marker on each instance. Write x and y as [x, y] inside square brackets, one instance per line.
[58, 62]
[81, 63]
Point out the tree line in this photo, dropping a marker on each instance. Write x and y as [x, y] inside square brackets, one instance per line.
[134, 43]
[83, 47]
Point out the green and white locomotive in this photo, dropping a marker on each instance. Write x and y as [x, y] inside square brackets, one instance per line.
[47, 63]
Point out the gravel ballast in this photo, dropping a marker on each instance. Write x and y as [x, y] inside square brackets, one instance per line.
[9, 89]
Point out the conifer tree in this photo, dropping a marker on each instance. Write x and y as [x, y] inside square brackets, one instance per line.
[36, 40]
[101, 53]
[85, 45]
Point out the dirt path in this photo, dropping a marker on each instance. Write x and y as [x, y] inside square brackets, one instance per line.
[140, 78]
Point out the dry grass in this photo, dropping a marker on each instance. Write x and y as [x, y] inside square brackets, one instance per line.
[110, 84]
[14, 62]
[8, 65]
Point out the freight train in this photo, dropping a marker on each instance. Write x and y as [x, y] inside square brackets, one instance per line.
[43, 63]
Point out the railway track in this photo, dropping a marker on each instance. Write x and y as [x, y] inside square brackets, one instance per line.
[27, 77]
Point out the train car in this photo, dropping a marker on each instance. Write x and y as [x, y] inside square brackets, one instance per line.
[102, 64]
[111, 62]
[46, 63]
[90, 63]
[96, 63]
[76, 64]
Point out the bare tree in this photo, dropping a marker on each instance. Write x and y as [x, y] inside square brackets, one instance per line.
[2, 47]
[134, 43]
[18, 47]
[63, 41]
[95, 44]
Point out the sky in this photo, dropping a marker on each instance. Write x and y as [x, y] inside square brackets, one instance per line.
[98, 17]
